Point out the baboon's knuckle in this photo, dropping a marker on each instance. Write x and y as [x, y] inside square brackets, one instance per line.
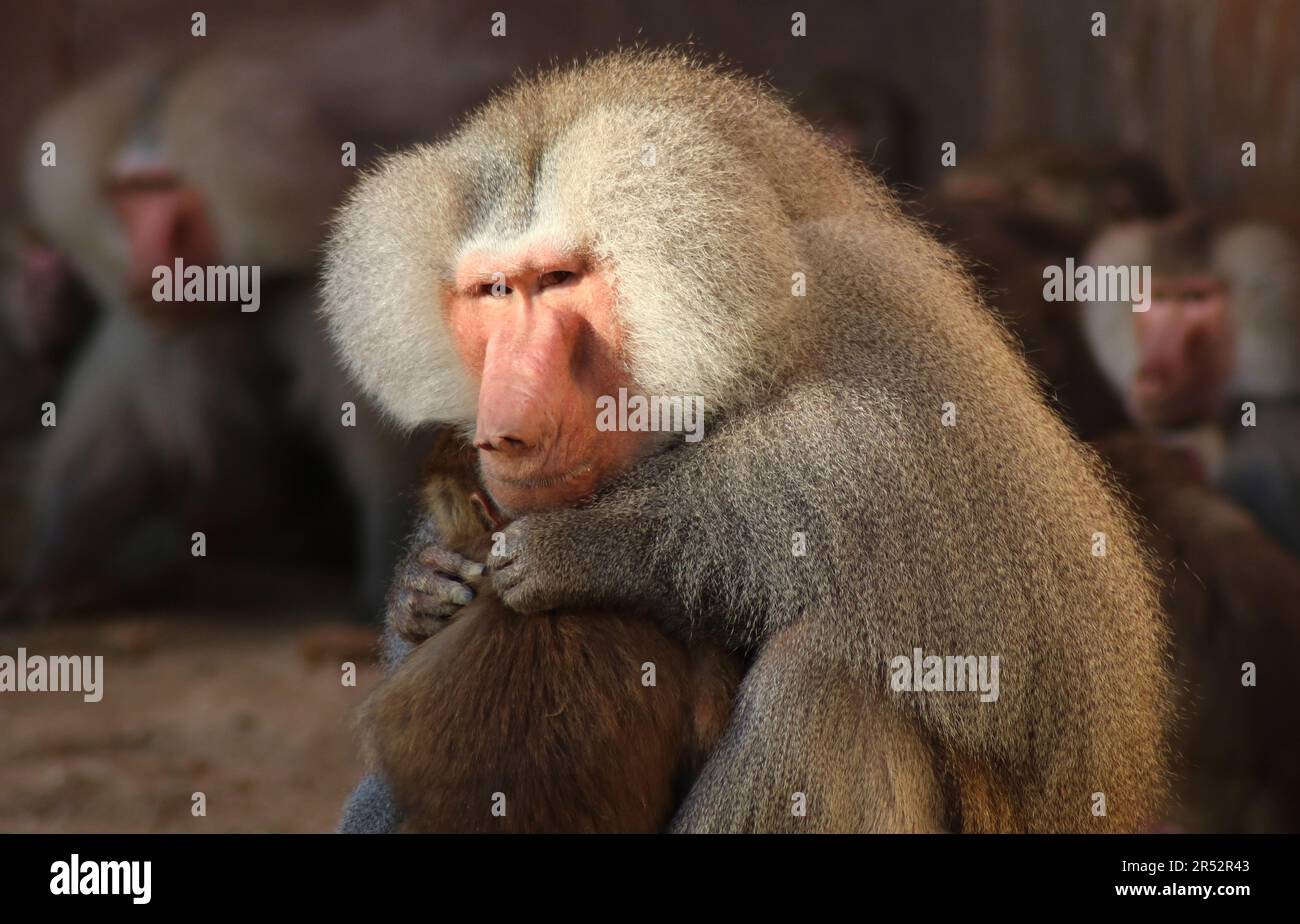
[437, 557]
[405, 627]
[420, 582]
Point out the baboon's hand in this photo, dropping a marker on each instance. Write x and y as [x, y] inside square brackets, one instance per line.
[531, 570]
[559, 558]
[428, 590]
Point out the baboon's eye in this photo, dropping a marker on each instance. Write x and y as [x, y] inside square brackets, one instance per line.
[493, 290]
[554, 278]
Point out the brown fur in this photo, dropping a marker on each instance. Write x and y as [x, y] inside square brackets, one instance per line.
[548, 709]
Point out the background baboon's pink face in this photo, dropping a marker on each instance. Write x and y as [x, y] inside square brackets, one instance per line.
[162, 219]
[536, 329]
[1185, 351]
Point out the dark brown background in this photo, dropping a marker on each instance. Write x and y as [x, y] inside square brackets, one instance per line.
[1185, 80]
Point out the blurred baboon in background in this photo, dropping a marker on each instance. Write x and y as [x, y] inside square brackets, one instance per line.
[182, 417]
[157, 420]
[1222, 328]
[1230, 590]
[1012, 212]
[1213, 365]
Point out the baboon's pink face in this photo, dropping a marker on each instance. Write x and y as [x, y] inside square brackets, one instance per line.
[536, 330]
[1185, 351]
[162, 218]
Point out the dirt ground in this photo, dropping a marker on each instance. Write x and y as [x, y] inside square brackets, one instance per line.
[245, 706]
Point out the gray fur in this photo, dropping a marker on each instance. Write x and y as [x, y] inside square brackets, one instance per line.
[824, 417]
[370, 809]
